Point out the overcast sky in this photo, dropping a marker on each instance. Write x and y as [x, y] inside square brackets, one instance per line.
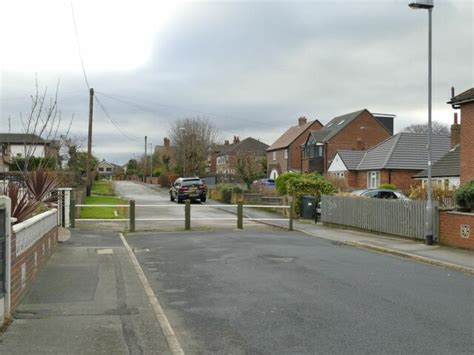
[252, 67]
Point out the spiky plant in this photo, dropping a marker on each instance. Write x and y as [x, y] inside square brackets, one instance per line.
[22, 206]
[41, 185]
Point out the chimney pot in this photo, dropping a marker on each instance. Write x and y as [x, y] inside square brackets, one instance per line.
[226, 142]
[302, 120]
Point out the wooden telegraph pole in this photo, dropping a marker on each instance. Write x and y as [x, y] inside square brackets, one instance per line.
[144, 161]
[89, 144]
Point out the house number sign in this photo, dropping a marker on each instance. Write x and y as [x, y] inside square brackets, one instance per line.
[465, 231]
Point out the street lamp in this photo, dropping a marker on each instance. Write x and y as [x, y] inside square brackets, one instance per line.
[182, 129]
[428, 5]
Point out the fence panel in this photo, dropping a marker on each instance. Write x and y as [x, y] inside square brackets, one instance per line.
[397, 217]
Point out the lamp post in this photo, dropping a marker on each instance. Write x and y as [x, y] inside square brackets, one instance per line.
[182, 129]
[151, 158]
[428, 5]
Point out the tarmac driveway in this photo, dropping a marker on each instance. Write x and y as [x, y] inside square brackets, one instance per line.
[280, 292]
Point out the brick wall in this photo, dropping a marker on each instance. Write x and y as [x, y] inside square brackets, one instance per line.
[452, 224]
[467, 142]
[25, 267]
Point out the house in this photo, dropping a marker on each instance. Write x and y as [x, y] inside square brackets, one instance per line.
[216, 149]
[226, 160]
[357, 130]
[21, 145]
[465, 102]
[285, 153]
[166, 154]
[445, 173]
[107, 170]
[394, 161]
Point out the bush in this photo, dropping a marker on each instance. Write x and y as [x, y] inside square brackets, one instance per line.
[464, 196]
[280, 182]
[388, 186]
[439, 194]
[308, 184]
[227, 190]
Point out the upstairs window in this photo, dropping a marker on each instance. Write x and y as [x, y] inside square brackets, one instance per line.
[286, 153]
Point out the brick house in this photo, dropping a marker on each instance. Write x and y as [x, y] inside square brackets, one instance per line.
[107, 170]
[465, 102]
[285, 153]
[226, 159]
[166, 154]
[357, 130]
[393, 161]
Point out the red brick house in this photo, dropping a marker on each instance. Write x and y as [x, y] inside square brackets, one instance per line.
[285, 153]
[226, 159]
[358, 130]
[465, 102]
[393, 161]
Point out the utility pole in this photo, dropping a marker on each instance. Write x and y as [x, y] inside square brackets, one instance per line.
[144, 161]
[89, 144]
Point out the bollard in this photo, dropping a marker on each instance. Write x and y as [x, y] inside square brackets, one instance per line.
[187, 215]
[240, 215]
[131, 216]
[72, 213]
[290, 220]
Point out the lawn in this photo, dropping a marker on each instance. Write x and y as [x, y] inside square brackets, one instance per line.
[102, 187]
[104, 212]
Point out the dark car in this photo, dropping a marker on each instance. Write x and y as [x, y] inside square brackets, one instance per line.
[188, 188]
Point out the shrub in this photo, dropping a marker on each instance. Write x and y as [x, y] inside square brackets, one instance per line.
[280, 182]
[464, 196]
[388, 186]
[227, 190]
[439, 194]
[308, 184]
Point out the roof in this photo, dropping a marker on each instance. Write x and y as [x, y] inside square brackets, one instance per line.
[248, 145]
[464, 97]
[351, 158]
[448, 165]
[336, 125]
[404, 151]
[20, 138]
[290, 135]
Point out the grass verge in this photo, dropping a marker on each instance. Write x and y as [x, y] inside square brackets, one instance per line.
[102, 187]
[104, 212]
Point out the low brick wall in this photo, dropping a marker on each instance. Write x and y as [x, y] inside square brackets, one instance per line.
[457, 229]
[26, 263]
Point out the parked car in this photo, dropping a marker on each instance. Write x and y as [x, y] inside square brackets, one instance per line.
[265, 182]
[381, 193]
[188, 188]
[373, 193]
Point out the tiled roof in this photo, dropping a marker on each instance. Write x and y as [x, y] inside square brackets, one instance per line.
[289, 136]
[448, 165]
[463, 97]
[333, 127]
[404, 151]
[248, 145]
[351, 158]
[20, 138]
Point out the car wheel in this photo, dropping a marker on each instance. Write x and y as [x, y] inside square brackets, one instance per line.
[171, 197]
[179, 200]
[203, 198]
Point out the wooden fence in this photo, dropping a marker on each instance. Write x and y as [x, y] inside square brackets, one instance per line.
[404, 218]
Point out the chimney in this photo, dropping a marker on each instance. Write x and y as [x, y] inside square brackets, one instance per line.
[236, 140]
[302, 120]
[166, 142]
[226, 142]
[455, 131]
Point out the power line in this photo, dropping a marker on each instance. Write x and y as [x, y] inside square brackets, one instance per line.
[79, 47]
[115, 123]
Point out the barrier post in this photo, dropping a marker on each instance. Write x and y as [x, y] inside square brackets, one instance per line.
[187, 215]
[240, 215]
[72, 213]
[290, 220]
[131, 216]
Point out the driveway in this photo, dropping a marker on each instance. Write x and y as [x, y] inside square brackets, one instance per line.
[242, 292]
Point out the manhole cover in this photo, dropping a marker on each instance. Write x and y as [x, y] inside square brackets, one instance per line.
[278, 258]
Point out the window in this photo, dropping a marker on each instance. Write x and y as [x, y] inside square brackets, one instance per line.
[373, 179]
[320, 151]
[101, 169]
[286, 153]
[446, 184]
[274, 156]
[339, 174]
[109, 169]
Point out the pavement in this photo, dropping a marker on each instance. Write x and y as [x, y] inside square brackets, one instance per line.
[87, 300]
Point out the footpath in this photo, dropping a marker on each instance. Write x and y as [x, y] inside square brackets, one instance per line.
[87, 300]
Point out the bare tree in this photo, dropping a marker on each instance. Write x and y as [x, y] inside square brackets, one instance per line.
[250, 167]
[437, 128]
[192, 139]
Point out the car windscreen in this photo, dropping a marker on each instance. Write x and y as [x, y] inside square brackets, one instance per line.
[191, 182]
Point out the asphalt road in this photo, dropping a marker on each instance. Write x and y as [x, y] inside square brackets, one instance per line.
[280, 293]
[205, 216]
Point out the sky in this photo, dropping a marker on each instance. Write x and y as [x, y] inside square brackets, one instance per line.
[251, 67]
